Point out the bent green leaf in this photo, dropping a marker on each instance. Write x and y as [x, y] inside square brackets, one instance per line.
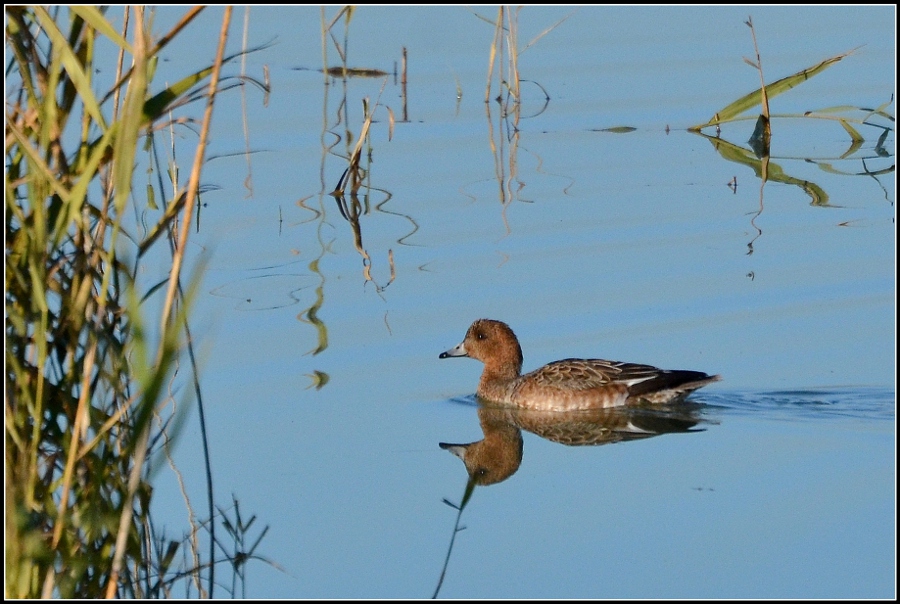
[748, 101]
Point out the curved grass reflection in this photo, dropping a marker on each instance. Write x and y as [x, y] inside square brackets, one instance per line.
[354, 149]
[352, 210]
[263, 292]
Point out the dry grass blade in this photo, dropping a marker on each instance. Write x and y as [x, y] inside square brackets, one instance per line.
[512, 44]
[758, 66]
[498, 37]
[345, 10]
[390, 123]
[547, 31]
[172, 33]
[351, 174]
[194, 181]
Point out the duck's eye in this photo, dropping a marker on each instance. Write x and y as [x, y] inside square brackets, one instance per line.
[480, 335]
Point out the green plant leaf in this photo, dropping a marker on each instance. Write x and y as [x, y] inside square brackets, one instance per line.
[158, 104]
[748, 101]
[37, 162]
[72, 65]
[130, 122]
[94, 17]
[75, 198]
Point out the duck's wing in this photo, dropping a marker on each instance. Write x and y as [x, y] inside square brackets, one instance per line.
[663, 385]
[589, 374]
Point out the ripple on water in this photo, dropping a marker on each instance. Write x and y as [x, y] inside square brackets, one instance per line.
[875, 404]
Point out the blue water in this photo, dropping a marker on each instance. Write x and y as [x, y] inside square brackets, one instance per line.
[775, 494]
[324, 395]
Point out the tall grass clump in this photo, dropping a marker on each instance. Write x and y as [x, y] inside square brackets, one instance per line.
[90, 349]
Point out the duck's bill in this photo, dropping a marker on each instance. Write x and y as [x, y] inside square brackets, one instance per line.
[456, 351]
[458, 450]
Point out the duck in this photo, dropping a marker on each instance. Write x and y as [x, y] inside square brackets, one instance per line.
[568, 384]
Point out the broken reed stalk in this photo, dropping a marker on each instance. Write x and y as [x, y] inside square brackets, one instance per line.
[760, 140]
[758, 65]
[498, 40]
[351, 174]
[512, 47]
[403, 87]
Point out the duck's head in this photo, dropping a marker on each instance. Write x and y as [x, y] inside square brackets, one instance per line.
[494, 344]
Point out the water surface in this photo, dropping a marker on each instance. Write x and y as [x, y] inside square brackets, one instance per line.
[320, 321]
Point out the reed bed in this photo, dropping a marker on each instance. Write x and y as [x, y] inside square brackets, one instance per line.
[91, 350]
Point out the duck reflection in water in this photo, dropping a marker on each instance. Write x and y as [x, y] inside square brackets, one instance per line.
[498, 455]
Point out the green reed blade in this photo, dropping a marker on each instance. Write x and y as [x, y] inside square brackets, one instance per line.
[72, 65]
[94, 17]
[748, 101]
